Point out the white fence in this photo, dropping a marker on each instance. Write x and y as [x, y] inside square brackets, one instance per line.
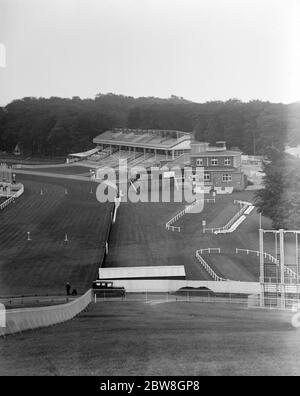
[206, 266]
[182, 295]
[188, 209]
[287, 270]
[235, 221]
[209, 250]
[18, 320]
[12, 198]
[257, 253]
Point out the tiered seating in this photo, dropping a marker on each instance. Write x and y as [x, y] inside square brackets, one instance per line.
[149, 161]
[139, 158]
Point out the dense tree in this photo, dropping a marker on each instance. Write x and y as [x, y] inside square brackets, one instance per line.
[280, 199]
[57, 126]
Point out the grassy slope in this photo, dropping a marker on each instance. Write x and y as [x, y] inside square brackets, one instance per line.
[44, 264]
[140, 238]
[133, 338]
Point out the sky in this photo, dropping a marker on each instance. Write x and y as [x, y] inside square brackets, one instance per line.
[200, 49]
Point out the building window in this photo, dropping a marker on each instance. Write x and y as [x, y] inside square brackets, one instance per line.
[200, 162]
[227, 161]
[206, 176]
[214, 161]
[227, 177]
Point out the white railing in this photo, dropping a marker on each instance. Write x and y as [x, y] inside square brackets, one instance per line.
[257, 253]
[210, 250]
[210, 271]
[12, 198]
[188, 209]
[169, 225]
[237, 218]
[18, 320]
[274, 260]
[173, 228]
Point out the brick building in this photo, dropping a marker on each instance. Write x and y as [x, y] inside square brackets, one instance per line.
[222, 167]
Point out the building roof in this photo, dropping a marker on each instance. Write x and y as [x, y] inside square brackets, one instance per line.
[185, 145]
[142, 272]
[85, 154]
[224, 153]
[220, 169]
[152, 139]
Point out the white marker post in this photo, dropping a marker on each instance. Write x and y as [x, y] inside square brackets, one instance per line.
[203, 225]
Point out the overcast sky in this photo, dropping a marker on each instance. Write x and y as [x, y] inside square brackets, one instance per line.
[199, 49]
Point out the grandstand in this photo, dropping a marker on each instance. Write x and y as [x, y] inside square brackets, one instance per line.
[139, 147]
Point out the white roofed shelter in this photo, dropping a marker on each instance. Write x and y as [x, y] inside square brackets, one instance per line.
[154, 272]
[84, 154]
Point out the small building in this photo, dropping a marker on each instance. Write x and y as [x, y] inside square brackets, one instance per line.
[253, 159]
[143, 273]
[17, 150]
[222, 167]
[81, 156]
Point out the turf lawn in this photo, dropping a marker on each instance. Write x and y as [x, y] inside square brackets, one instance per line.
[44, 264]
[140, 238]
[135, 338]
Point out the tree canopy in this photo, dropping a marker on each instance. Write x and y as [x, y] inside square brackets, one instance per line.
[58, 126]
[280, 199]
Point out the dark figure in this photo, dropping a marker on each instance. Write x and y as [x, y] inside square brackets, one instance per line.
[68, 288]
[74, 292]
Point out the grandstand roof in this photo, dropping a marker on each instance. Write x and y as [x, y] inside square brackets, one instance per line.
[155, 139]
[224, 153]
[154, 272]
[85, 154]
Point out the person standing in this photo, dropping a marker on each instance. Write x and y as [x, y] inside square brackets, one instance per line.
[68, 288]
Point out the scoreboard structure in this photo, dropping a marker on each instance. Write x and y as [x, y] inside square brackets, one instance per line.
[279, 278]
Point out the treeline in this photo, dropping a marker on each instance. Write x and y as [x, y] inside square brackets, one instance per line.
[280, 199]
[57, 126]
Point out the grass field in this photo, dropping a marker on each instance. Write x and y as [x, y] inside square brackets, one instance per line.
[44, 264]
[140, 238]
[135, 338]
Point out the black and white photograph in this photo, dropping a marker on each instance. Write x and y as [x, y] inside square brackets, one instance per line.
[149, 191]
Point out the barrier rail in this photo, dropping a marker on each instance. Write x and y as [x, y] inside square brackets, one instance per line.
[266, 255]
[18, 320]
[287, 270]
[291, 304]
[183, 212]
[210, 250]
[237, 218]
[12, 198]
[181, 295]
[208, 268]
